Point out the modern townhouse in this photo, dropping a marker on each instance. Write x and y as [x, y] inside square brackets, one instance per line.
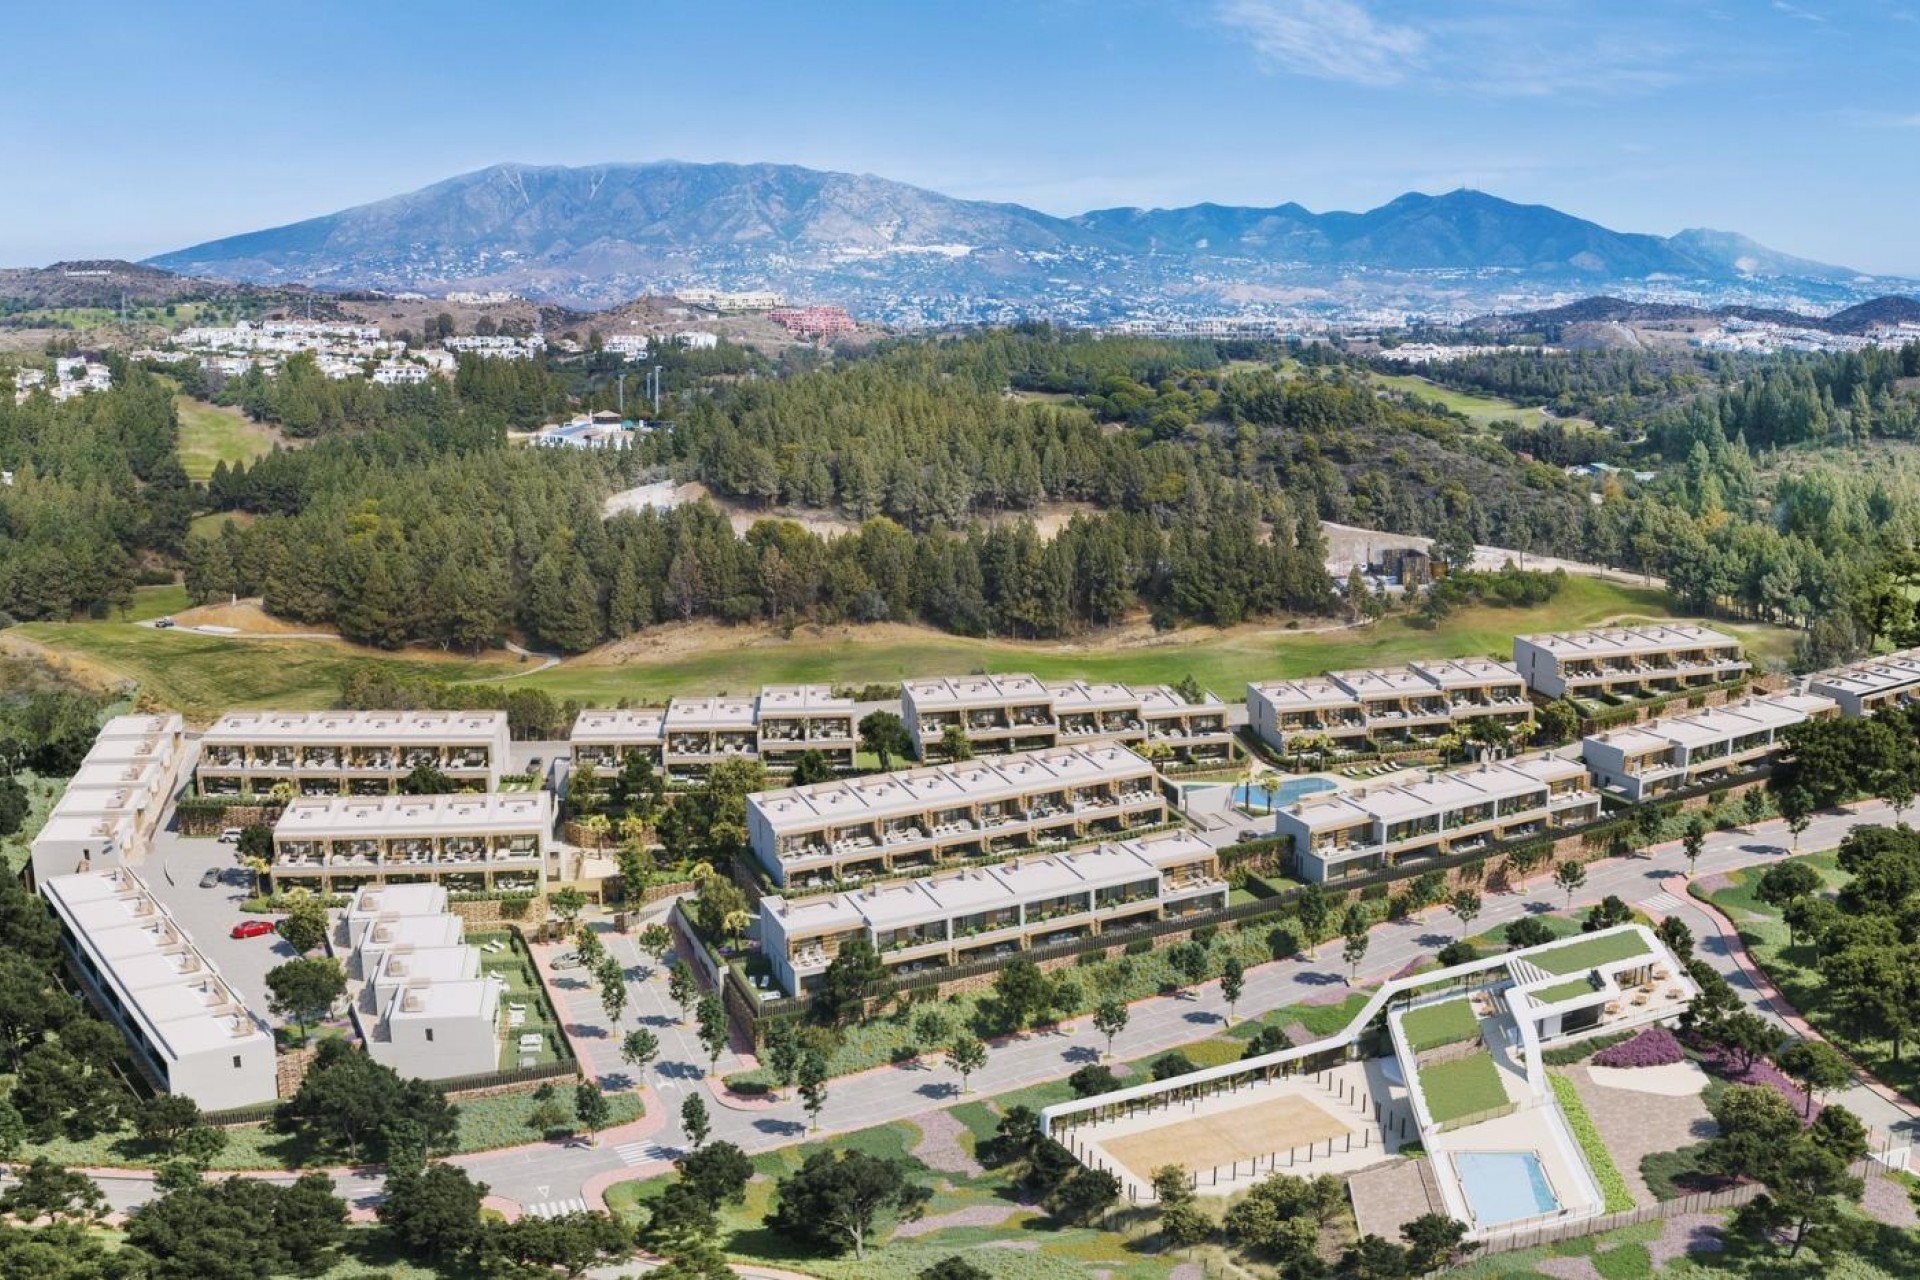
[188, 1029]
[495, 840]
[1628, 662]
[601, 740]
[1346, 833]
[427, 1008]
[388, 903]
[1862, 688]
[1388, 706]
[1157, 718]
[792, 719]
[920, 818]
[996, 713]
[327, 753]
[701, 732]
[1646, 761]
[116, 799]
[1192, 731]
[964, 915]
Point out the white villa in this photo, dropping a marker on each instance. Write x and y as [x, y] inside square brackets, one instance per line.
[1646, 761]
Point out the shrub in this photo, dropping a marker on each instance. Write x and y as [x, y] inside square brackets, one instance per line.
[1567, 1055]
[1654, 1047]
[1205, 934]
[749, 1084]
[1088, 959]
[1612, 1185]
[1140, 947]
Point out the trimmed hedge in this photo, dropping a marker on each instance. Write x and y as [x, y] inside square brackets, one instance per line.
[1612, 1185]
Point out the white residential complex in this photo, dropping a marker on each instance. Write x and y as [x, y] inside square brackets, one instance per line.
[427, 1009]
[1646, 761]
[492, 840]
[1388, 706]
[965, 915]
[1628, 662]
[1021, 713]
[689, 735]
[920, 818]
[114, 803]
[186, 1026]
[1866, 687]
[323, 753]
[1343, 833]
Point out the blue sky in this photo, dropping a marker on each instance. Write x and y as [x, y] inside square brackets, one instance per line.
[135, 128]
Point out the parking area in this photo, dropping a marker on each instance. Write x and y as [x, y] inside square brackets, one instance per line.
[173, 869]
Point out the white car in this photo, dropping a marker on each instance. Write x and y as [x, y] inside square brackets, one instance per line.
[230, 836]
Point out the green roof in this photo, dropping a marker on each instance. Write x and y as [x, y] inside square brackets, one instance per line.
[1463, 1087]
[1578, 957]
[1432, 1025]
[1563, 991]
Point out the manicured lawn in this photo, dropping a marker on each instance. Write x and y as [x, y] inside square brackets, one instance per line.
[1480, 410]
[1448, 1022]
[523, 987]
[1563, 991]
[1462, 1087]
[210, 434]
[1576, 957]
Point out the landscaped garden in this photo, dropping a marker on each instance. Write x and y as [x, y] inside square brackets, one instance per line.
[1442, 1023]
[1461, 1088]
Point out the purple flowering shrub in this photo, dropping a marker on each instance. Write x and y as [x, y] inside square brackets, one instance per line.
[1654, 1047]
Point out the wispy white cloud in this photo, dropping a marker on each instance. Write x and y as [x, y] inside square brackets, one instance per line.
[1326, 39]
[1504, 48]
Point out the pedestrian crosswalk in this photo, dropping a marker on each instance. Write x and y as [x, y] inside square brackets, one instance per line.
[1661, 904]
[557, 1208]
[632, 1153]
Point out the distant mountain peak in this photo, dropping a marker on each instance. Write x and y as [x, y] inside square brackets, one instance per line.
[597, 234]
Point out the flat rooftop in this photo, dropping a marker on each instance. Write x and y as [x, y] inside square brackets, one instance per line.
[1398, 802]
[1716, 724]
[165, 983]
[1628, 641]
[141, 726]
[803, 700]
[398, 900]
[972, 691]
[910, 791]
[1311, 693]
[463, 813]
[1875, 675]
[1466, 673]
[708, 714]
[350, 728]
[639, 725]
[475, 998]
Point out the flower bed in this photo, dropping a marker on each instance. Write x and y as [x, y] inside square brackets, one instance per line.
[1654, 1047]
[1761, 1072]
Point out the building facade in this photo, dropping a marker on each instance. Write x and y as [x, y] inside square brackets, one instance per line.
[920, 818]
[1646, 761]
[188, 1029]
[116, 799]
[1862, 688]
[338, 753]
[1015, 712]
[690, 735]
[335, 844]
[1345, 833]
[965, 915]
[1388, 706]
[1628, 662]
[427, 1008]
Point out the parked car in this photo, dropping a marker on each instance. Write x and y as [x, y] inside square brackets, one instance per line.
[1245, 836]
[252, 928]
[210, 877]
[163, 623]
[567, 960]
[230, 836]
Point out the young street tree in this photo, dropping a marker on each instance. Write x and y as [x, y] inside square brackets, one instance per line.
[695, 1122]
[591, 1107]
[1570, 875]
[813, 1087]
[613, 990]
[680, 988]
[656, 940]
[1233, 984]
[781, 1046]
[1465, 906]
[639, 1050]
[711, 1014]
[1693, 843]
[1110, 1019]
[966, 1055]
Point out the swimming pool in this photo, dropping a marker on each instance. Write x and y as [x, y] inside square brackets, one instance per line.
[1256, 798]
[1503, 1186]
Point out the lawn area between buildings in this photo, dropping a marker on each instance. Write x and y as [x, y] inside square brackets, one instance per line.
[202, 675]
[1794, 969]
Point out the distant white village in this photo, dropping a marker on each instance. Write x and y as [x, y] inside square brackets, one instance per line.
[1763, 337]
[72, 376]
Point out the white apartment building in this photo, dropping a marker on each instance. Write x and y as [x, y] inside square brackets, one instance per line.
[324, 753]
[1017, 712]
[1389, 706]
[690, 735]
[920, 818]
[187, 1027]
[468, 841]
[1628, 662]
[1646, 761]
[1344, 833]
[116, 799]
[1862, 688]
[955, 917]
[427, 1009]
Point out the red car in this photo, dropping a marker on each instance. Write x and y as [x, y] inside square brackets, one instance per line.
[252, 928]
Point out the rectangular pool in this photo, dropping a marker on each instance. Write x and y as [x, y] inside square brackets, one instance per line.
[1504, 1186]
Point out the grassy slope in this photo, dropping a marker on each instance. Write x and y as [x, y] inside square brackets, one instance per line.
[201, 675]
[1478, 409]
[210, 434]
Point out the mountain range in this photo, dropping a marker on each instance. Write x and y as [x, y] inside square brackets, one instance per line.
[598, 235]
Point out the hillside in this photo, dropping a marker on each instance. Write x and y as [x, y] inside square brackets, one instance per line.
[1857, 319]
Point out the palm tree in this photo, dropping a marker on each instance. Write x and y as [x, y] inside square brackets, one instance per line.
[1267, 782]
